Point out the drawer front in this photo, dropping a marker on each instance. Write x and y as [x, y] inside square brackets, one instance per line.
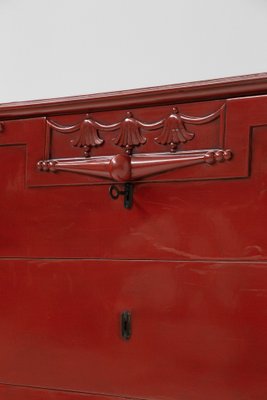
[195, 327]
[190, 219]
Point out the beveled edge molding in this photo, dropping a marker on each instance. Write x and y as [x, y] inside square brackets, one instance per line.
[238, 86]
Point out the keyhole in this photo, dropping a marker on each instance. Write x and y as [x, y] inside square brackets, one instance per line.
[126, 325]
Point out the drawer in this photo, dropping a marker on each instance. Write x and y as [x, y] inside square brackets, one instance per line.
[202, 211]
[194, 328]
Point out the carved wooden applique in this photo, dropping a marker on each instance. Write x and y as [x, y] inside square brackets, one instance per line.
[88, 137]
[174, 131]
[128, 167]
[124, 167]
[130, 132]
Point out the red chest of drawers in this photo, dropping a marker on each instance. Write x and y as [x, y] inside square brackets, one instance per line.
[133, 252]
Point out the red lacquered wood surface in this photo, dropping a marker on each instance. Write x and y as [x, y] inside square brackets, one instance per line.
[198, 328]
[17, 392]
[188, 260]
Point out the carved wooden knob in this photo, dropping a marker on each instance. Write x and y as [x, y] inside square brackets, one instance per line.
[120, 167]
[47, 165]
[212, 157]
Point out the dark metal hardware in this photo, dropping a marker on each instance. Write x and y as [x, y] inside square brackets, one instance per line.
[115, 193]
[126, 329]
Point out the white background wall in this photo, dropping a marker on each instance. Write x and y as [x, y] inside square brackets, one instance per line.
[52, 48]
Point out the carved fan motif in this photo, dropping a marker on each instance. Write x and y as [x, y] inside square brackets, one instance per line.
[130, 134]
[88, 137]
[174, 131]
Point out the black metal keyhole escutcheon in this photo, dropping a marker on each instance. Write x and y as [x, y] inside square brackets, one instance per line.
[126, 322]
[127, 192]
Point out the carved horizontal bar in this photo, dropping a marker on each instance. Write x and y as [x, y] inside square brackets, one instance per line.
[122, 167]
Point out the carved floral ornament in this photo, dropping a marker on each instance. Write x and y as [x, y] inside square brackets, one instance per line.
[131, 131]
[127, 168]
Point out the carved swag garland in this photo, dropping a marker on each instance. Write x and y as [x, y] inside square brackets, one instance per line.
[126, 167]
[130, 131]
